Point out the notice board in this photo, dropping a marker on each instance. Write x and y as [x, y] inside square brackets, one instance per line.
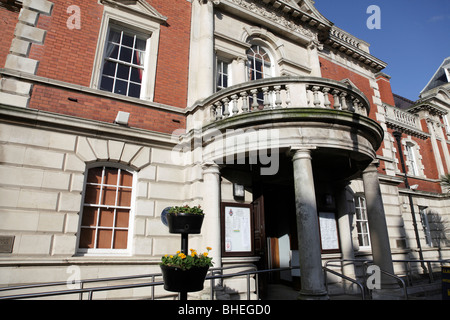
[328, 231]
[237, 231]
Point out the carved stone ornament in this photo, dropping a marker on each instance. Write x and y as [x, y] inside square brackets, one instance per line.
[275, 15]
[140, 7]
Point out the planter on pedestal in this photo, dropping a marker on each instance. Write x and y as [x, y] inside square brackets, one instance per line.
[179, 280]
[187, 223]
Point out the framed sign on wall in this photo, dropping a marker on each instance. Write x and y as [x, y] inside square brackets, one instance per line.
[329, 236]
[237, 229]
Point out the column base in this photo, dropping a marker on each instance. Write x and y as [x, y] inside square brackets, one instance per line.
[305, 295]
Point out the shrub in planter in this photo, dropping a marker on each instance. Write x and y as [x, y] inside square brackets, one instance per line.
[185, 219]
[185, 273]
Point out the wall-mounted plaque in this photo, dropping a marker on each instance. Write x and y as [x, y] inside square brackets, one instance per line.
[6, 244]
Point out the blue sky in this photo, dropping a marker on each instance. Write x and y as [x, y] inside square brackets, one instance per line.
[414, 38]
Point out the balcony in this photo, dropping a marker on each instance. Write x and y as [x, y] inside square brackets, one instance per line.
[401, 120]
[329, 116]
[280, 93]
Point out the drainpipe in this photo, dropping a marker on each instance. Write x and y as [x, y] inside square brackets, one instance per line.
[398, 136]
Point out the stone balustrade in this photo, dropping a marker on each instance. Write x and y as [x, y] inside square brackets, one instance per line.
[401, 117]
[277, 93]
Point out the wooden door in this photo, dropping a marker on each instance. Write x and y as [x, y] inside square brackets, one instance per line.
[259, 230]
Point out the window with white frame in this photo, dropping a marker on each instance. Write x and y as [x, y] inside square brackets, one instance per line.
[362, 224]
[106, 212]
[124, 62]
[259, 66]
[259, 63]
[127, 52]
[411, 158]
[426, 225]
[222, 74]
[446, 124]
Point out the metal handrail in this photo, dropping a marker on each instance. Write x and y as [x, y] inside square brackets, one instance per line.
[398, 278]
[406, 261]
[361, 287]
[152, 284]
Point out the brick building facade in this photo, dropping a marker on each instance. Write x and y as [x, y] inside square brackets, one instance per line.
[183, 102]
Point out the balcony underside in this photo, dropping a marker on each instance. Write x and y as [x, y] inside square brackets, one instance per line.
[343, 142]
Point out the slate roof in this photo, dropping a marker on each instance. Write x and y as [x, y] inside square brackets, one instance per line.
[440, 77]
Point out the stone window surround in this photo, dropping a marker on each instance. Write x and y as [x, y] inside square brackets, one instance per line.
[130, 21]
[415, 148]
[96, 251]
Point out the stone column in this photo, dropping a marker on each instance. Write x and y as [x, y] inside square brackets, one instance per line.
[211, 207]
[202, 57]
[312, 280]
[379, 237]
[345, 233]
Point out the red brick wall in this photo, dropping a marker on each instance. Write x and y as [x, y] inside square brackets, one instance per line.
[104, 109]
[68, 55]
[428, 160]
[334, 71]
[384, 86]
[173, 56]
[8, 21]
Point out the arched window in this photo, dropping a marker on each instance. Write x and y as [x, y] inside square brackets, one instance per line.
[259, 63]
[105, 217]
[259, 66]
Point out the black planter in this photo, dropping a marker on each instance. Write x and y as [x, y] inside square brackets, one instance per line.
[178, 280]
[184, 223]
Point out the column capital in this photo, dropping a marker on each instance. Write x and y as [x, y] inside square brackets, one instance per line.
[215, 2]
[301, 152]
[372, 167]
[210, 167]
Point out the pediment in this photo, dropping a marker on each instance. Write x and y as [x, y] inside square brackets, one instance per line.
[139, 7]
[296, 19]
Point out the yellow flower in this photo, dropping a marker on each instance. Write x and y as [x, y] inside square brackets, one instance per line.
[205, 254]
[165, 255]
[178, 252]
[182, 255]
[208, 248]
[193, 254]
[171, 257]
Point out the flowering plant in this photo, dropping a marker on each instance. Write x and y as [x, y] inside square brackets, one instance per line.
[186, 209]
[185, 262]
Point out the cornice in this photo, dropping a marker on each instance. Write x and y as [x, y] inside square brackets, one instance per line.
[139, 7]
[305, 21]
[353, 47]
[430, 107]
[281, 15]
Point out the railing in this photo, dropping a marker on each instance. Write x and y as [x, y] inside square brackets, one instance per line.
[215, 273]
[399, 118]
[279, 93]
[409, 273]
[360, 286]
